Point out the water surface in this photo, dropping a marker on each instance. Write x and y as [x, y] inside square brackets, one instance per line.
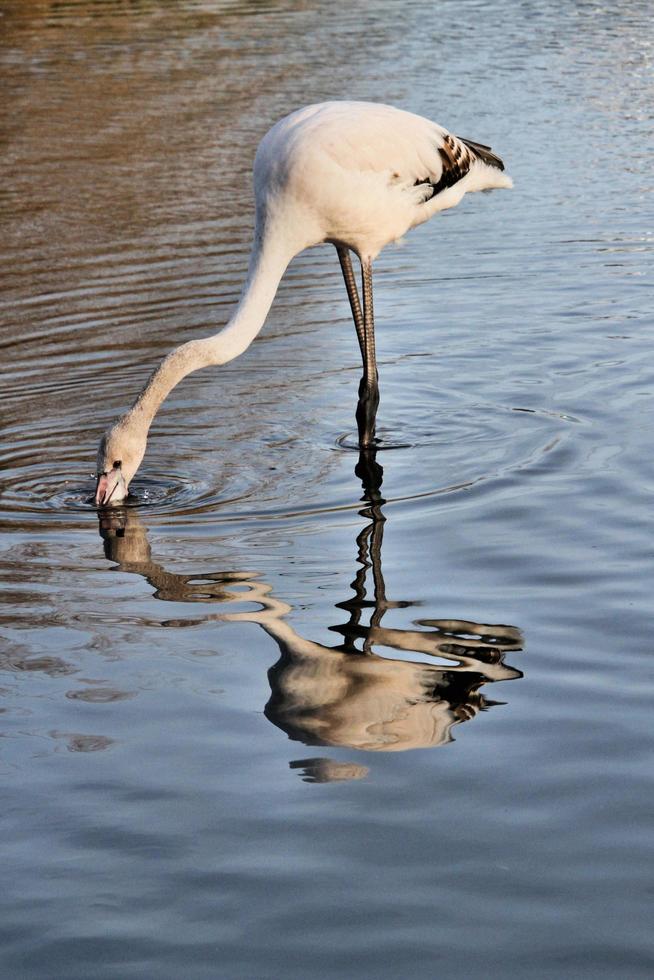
[292, 712]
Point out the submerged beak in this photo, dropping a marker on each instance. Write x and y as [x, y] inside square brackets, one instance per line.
[110, 488]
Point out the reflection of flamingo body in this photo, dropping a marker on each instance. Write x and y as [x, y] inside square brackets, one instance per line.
[356, 174]
[322, 696]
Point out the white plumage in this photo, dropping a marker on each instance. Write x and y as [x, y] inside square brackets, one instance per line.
[356, 174]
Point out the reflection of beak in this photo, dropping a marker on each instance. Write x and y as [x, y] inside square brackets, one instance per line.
[110, 488]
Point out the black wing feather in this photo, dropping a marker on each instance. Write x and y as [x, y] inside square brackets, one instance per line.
[457, 155]
[483, 153]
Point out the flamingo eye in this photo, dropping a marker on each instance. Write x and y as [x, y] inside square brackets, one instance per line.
[117, 464]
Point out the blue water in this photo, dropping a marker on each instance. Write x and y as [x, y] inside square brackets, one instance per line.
[288, 715]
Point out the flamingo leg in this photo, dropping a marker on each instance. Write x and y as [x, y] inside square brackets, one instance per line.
[365, 328]
[368, 388]
[352, 295]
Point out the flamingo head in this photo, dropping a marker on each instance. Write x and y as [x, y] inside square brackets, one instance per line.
[120, 453]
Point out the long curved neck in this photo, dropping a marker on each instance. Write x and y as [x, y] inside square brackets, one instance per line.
[268, 261]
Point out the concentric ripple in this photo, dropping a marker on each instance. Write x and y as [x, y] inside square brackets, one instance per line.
[30, 493]
[455, 448]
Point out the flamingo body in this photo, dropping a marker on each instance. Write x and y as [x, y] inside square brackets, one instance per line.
[361, 174]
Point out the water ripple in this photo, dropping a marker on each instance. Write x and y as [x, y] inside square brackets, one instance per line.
[460, 448]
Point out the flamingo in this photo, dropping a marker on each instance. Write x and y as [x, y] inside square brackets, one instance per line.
[356, 174]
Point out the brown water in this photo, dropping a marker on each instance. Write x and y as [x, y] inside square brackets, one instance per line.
[259, 724]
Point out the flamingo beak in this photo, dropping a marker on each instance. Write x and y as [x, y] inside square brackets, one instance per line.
[110, 488]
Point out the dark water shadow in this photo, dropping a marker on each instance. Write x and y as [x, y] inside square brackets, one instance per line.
[351, 694]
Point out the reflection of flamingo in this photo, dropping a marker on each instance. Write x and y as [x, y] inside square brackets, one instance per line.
[342, 695]
[352, 173]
